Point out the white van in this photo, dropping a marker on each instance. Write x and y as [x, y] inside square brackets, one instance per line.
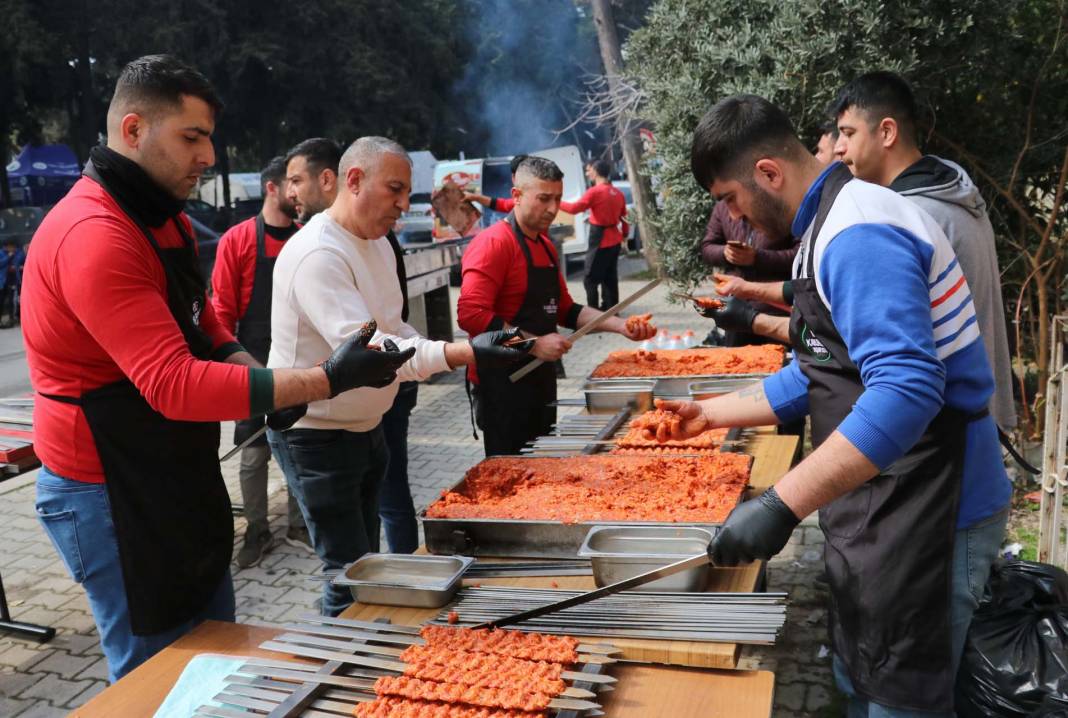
[492, 177]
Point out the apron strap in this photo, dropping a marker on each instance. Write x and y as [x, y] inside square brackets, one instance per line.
[470, 406]
[832, 185]
[75, 401]
[1024, 464]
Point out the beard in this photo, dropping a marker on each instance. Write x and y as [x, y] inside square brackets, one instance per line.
[769, 214]
[287, 208]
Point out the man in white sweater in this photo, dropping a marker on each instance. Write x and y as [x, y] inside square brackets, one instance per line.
[334, 275]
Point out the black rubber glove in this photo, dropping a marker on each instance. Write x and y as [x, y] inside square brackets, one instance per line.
[353, 365]
[736, 315]
[490, 353]
[754, 530]
[284, 419]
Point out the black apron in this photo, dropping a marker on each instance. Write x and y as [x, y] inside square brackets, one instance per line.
[889, 542]
[254, 327]
[169, 505]
[512, 414]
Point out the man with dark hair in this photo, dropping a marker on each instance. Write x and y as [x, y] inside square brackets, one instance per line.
[906, 471]
[608, 227]
[825, 145]
[337, 273]
[512, 278]
[311, 176]
[241, 296]
[134, 371]
[876, 114]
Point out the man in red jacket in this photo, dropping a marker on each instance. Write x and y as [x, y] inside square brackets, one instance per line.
[512, 278]
[133, 372]
[241, 296]
[608, 227]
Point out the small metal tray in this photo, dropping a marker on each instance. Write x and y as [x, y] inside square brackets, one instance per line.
[620, 552]
[708, 388]
[403, 579]
[611, 395]
[677, 387]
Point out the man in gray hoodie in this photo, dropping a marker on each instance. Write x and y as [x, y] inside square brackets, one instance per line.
[876, 116]
[877, 138]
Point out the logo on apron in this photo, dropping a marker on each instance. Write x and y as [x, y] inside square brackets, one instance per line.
[814, 346]
[197, 308]
[550, 308]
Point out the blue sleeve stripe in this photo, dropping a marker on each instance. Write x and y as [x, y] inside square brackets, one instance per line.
[954, 335]
[945, 318]
[945, 272]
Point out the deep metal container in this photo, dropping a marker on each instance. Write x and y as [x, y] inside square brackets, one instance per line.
[404, 579]
[611, 395]
[620, 552]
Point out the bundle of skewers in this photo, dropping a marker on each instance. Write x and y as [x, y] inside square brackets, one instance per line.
[412, 672]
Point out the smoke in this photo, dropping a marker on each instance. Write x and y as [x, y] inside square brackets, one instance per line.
[527, 60]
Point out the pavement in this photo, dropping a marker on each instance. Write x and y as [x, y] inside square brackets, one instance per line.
[51, 679]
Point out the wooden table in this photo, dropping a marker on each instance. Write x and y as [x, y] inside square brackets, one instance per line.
[772, 457]
[642, 691]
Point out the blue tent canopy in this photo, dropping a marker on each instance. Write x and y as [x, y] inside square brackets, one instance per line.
[41, 175]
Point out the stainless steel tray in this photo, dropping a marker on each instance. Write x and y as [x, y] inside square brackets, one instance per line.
[610, 395]
[404, 579]
[708, 388]
[679, 386]
[523, 538]
[618, 552]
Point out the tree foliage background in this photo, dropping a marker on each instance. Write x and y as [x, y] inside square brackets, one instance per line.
[991, 75]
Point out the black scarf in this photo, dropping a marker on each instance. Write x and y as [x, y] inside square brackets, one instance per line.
[134, 189]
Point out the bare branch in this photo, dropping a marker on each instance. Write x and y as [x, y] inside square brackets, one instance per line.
[613, 104]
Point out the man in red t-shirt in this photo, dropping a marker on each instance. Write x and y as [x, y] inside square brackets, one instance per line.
[241, 296]
[608, 227]
[133, 371]
[512, 278]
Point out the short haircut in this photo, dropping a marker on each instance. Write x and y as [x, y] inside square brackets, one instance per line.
[735, 133]
[539, 168]
[274, 171]
[365, 152]
[319, 152]
[880, 94]
[829, 127]
[514, 164]
[153, 84]
[603, 168]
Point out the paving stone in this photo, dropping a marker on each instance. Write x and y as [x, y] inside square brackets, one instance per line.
[791, 695]
[12, 706]
[22, 656]
[97, 670]
[64, 664]
[818, 698]
[12, 684]
[57, 690]
[43, 710]
[83, 697]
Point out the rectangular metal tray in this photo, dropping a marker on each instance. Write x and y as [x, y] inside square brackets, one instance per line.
[611, 395]
[523, 538]
[617, 553]
[403, 579]
[679, 386]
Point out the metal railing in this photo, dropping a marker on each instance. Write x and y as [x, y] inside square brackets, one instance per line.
[1052, 544]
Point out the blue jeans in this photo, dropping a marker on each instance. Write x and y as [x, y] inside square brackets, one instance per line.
[974, 551]
[77, 518]
[395, 506]
[335, 476]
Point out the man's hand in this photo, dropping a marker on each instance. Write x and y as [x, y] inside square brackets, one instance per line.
[550, 347]
[482, 199]
[728, 285]
[694, 419]
[354, 365]
[740, 255]
[636, 331]
[491, 352]
[284, 419]
[754, 530]
[735, 315]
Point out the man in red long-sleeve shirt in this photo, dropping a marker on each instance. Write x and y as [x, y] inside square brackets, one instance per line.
[133, 372]
[512, 278]
[241, 296]
[608, 227]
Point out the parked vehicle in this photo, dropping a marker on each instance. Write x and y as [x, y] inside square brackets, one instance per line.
[634, 242]
[416, 226]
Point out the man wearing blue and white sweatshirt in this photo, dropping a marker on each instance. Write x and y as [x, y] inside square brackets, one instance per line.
[907, 472]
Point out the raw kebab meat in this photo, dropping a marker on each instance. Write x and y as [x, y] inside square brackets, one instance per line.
[394, 707]
[416, 689]
[759, 359]
[708, 302]
[698, 489]
[654, 429]
[638, 321]
[449, 203]
[516, 644]
[543, 676]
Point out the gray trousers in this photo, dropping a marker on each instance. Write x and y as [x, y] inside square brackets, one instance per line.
[253, 475]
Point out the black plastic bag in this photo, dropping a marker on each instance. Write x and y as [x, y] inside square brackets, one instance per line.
[1015, 661]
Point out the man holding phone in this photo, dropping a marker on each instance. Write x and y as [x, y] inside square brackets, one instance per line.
[750, 254]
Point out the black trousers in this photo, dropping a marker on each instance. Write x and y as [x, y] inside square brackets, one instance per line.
[601, 271]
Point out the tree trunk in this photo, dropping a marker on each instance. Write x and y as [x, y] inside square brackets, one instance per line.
[1042, 350]
[222, 164]
[640, 186]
